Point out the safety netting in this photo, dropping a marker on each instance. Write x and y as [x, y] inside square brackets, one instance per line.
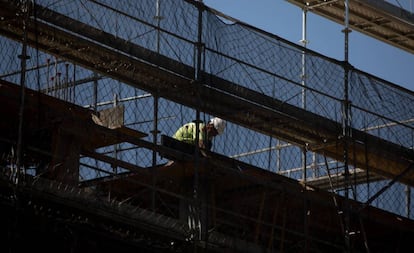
[201, 39]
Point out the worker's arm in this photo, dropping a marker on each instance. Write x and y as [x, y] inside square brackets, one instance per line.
[205, 144]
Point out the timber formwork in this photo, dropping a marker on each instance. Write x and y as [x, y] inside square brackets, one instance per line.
[242, 208]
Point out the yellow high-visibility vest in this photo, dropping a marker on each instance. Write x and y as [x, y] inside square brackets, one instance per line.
[187, 133]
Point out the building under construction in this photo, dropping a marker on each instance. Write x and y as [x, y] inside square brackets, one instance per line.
[317, 156]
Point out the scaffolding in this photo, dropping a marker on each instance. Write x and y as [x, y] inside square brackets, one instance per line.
[387, 21]
[99, 86]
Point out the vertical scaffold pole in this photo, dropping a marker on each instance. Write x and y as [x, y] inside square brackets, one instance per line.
[304, 42]
[303, 78]
[155, 130]
[346, 126]
[197, 78]
[23, 58]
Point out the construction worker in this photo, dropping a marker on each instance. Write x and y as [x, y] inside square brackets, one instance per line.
[187, 133]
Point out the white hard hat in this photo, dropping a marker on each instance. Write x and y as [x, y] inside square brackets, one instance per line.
[218, 124]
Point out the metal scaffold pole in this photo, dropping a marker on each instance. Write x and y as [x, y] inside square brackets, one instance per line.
[23, 58]
[155, 130]
[304, 151]
[346, 127]
[303, 78]
[197, 212]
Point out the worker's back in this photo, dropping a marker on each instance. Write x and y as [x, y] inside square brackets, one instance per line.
[188, 133]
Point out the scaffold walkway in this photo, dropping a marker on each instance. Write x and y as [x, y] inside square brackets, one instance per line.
[377, 19]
